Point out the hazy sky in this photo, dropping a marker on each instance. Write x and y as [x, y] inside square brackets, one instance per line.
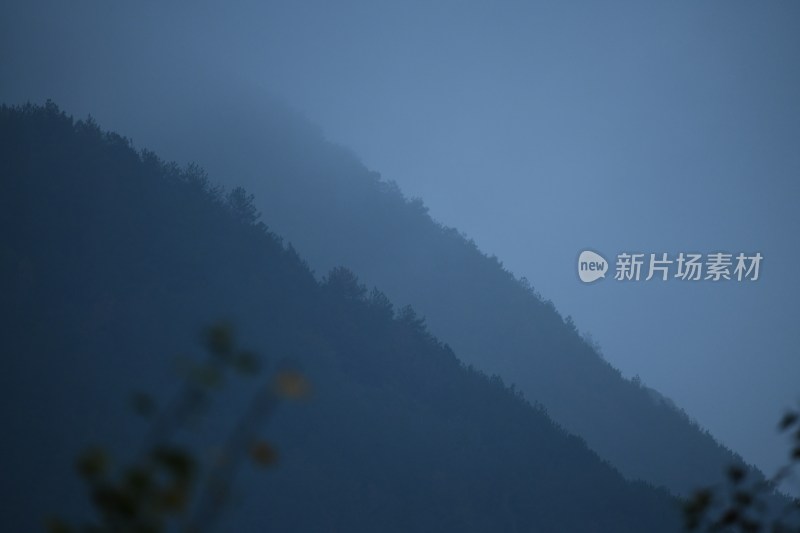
[539, 129]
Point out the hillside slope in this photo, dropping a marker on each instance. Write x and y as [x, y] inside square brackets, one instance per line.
[111, 261]
[337, 212]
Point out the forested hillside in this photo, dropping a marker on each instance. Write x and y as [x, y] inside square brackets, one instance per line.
[111, 261]
[337, 212]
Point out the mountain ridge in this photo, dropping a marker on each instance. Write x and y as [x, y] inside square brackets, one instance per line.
[110, 257]
[336, 211]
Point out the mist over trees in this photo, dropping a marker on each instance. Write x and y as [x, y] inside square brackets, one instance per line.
[335, 211]
[111, 259]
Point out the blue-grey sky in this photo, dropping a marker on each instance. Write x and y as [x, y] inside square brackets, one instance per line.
[538, 128]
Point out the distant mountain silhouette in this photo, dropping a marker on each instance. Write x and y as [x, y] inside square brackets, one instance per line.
[111, 260]
[337, 212]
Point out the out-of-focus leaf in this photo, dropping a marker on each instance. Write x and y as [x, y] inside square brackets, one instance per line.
[56, 525]
[178, 462]
[176, 497]
[695, 507]
[736, 474]
[743, 498]
[138, 480]
[788, 420]
[114, 501]
[219, 339]
[93, 464]
[263, 453]
[292, 384]
[731, 516]
[703, 498]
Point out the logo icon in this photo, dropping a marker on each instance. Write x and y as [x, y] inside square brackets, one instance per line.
[591, 266]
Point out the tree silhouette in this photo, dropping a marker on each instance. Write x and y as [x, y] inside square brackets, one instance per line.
[242, 205]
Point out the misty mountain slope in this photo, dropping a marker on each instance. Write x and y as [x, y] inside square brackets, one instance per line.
[335, 211]
[112, 260]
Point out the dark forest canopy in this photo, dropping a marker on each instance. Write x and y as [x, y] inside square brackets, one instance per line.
[111, 260]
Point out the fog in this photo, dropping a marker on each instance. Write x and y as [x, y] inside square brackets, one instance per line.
[538, 129]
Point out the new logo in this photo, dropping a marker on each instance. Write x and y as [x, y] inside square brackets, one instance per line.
[591, 266]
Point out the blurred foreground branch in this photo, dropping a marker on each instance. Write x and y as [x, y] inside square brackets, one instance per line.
[168, 486]
[746, 505]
